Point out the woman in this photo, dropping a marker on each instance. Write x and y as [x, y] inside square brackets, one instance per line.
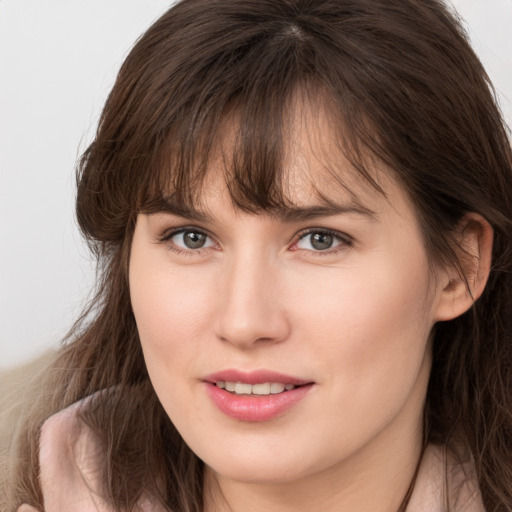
[302, 213]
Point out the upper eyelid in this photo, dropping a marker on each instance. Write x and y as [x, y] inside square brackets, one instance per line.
[181, 221]
[344, 238]
[303, 232]
[335, 232]
[170, 232]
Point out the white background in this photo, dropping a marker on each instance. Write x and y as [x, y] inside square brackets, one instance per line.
[58, 60]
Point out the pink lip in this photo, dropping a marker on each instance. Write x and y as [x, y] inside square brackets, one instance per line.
[254, 377]
[253, 408]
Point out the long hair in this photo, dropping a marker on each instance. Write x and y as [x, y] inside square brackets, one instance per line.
[403, 88]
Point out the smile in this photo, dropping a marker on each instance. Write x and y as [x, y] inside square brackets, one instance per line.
[255, 396]
[264, 388]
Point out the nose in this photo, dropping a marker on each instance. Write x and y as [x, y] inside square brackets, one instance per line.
[251, 304]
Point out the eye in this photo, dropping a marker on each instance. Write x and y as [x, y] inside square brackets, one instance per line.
[187, 239]
[321, 240]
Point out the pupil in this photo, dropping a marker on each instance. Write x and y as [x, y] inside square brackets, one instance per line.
[194, 240]
[321, 241]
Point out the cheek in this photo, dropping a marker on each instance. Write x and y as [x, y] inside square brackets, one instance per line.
[170, 308]
[170, 313]
[371, 325]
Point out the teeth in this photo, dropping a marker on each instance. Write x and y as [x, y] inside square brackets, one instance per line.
[276, 388]
[261, 389]
[242, 389]
[265, 388]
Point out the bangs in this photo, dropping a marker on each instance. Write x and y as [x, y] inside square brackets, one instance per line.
[239, 107]
[250, 141]
[190, 94]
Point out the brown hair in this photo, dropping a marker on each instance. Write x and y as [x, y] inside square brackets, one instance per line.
[404, 88]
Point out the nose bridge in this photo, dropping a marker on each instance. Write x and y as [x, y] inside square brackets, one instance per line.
[251, 308]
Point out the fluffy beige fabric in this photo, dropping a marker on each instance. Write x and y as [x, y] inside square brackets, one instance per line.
[18, 391]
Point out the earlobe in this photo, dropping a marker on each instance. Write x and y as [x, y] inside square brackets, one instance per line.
[462, 286]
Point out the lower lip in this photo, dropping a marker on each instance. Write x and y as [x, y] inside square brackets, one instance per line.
[255, 407]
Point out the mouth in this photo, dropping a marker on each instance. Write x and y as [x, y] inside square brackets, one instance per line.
[256, 382]
[255, 396]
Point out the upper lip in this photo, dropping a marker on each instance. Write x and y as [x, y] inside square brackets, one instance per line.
[254, 377]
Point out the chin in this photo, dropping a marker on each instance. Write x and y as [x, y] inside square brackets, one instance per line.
[264, 473]
[263, 464]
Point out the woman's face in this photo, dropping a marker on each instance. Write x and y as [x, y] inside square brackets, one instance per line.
[335, 301]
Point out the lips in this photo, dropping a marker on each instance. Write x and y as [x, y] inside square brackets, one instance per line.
[255, 396]
[254, 377]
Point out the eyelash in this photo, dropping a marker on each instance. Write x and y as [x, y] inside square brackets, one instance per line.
[168, 235]
[344, 239]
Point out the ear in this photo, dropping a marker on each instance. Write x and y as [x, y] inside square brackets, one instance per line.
[473, 238]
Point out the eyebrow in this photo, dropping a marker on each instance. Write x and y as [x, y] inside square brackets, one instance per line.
[173, 207]
[287, 214]
[303, 213]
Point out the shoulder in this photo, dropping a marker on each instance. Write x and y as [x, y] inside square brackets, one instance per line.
[72, 465]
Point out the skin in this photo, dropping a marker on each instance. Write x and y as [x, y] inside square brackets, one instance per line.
[354, 319]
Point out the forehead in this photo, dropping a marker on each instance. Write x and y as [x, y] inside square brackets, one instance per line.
[305, 161]
[315, 165]
[311, 188]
